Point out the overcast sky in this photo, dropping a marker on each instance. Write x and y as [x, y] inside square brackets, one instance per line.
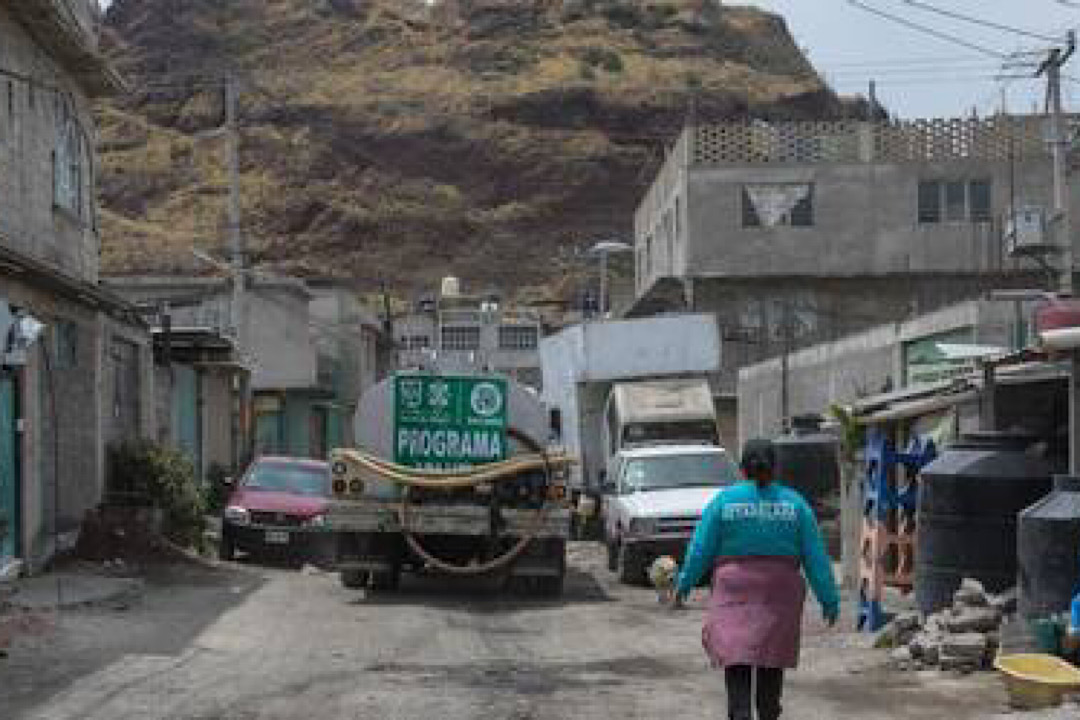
[923, 76]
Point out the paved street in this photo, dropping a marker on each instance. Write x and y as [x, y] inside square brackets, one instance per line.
[249, 642]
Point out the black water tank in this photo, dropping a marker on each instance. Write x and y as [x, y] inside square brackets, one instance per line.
[809, 460]
[1048, 550]
[969, 498]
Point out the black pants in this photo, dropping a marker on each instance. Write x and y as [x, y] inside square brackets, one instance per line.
[770, 685]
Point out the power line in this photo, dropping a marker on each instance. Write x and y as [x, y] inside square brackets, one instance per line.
[978, 21]
[926, 30]
[843, 60]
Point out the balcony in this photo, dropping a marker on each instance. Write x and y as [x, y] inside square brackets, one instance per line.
[68, 31]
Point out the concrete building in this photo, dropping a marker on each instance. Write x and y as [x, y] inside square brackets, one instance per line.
[201, 384]
[311, 352]
[85, 381]
[923, 352]
[801, 233]
[456, 332]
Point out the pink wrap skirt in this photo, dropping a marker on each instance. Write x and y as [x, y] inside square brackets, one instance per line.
[755, 612]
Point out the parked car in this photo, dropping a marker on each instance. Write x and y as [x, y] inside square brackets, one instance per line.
[279, 505]
[653, 501]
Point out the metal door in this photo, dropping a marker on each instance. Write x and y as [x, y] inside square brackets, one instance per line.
[186, 413]
[268, 433]
[317, 427]
[9, 471]
[124, 378]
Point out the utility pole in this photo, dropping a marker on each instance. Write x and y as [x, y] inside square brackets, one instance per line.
[785, 391]
[1051, 67]
[603, 284]
[238, 305]
[1059, 140]
[238, 315]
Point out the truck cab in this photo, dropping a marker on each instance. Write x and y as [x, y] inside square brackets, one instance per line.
[653, 500]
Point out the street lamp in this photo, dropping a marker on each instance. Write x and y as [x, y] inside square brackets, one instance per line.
[603, 249]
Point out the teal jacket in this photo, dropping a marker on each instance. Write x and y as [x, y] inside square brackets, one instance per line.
[746, 521]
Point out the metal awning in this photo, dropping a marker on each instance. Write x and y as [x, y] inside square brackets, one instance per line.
[916, 408]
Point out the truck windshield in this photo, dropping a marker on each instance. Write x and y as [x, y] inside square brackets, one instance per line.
[684, 431]
[678, 471]
[284, 477]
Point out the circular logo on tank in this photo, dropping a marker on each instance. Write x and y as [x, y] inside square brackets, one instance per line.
[486, 399]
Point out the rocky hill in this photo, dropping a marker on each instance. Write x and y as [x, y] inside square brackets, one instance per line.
[404, 140]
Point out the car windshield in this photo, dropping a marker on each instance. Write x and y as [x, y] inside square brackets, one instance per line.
[644, 433]
[679, 471]
[286, 477]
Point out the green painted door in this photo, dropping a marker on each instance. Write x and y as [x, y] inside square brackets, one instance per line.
[268, 433]
[9, 495]
[186, 412]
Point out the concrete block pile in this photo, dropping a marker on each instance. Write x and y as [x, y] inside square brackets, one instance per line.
[964, 637]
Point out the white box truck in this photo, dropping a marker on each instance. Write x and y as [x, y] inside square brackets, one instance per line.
[583, 364]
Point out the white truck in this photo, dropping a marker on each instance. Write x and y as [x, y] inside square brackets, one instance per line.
[653, 500]
[517, 526]
[582, 366]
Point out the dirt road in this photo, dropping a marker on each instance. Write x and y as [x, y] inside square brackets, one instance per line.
[270, 644]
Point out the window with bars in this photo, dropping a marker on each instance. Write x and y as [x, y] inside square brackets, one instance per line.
[416, 342]
[518, 337]
[954, 201]
[68, 162]
[460, 337]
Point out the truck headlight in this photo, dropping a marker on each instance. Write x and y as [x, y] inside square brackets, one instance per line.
[642, 526]
[238, 515]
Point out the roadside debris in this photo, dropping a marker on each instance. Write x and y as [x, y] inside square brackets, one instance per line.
[964, 637]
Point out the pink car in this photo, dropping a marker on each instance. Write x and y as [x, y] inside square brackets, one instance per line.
[278, 506]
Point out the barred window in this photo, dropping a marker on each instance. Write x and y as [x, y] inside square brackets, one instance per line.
[416, 342]
[460, 337]
[518, 337]
[954, 201]
[68, 162]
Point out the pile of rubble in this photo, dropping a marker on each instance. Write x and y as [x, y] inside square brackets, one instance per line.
[964, 637]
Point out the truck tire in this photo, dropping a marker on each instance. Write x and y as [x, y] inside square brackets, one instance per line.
[226, 546]
[387, 581]
[631, 566]
[353, 579]
[552, 586]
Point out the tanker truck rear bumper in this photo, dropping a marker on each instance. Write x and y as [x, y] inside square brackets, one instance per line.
[372, 549]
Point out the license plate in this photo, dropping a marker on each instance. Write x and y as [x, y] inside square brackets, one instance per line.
[277, 537]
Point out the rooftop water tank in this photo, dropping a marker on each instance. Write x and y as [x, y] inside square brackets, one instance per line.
[451, 287]
[969, 498]
[808, 460]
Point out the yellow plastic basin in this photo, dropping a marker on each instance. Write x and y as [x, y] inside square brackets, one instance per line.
[1037, 681]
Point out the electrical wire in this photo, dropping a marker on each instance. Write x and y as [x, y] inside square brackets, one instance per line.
[926, 30]
[978, 21]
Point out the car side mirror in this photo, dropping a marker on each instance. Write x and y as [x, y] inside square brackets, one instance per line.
[228, 481]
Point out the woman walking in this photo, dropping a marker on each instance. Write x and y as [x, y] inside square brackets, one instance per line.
[755, 537]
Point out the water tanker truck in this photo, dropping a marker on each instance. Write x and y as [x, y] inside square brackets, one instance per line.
[450, 474]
